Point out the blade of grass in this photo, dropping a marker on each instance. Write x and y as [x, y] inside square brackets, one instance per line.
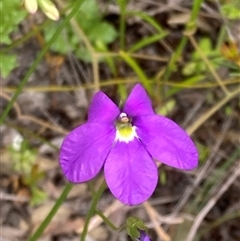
[205, 193]
[188, 82]
[49, 217]
[232, 176]
[148, 19]
[191, 25]
[122, 28]
[133, 64]
[147, 41]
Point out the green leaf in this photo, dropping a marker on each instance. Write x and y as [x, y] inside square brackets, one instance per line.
[90, 11]
[147, 41]
[189, 68]
[58, 43]
[103, 32]
[166, 108]
[89, 19]
[38, 196]
[83, 54]
[8, 63]
[149, 20]
[11, 15]
[231, 11]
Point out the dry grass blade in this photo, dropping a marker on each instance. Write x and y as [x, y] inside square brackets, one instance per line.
[206, 169]
[153, 217]
[232, 174]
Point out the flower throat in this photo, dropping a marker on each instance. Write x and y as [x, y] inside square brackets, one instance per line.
[125, 130]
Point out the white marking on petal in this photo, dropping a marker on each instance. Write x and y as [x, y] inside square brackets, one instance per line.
[128, 138]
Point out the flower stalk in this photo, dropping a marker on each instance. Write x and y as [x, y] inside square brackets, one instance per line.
[97, 195]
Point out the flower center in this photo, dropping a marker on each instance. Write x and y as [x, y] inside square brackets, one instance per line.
[125, 130]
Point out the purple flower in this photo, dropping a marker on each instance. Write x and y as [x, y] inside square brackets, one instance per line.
[126, 144]
[143, 237]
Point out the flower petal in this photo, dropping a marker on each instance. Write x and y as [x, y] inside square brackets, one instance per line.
[102, 109]
[167, 142]
[144, 236]
[138, 102]
[84, 151]
[130, 172]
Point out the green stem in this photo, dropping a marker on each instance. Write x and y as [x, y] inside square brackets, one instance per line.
[190, 26]
[107, 221]
[175, 57]
[122, 28]
[37, 61]
[141, 75]
[92, 209]
[49, 217]
[195, 10]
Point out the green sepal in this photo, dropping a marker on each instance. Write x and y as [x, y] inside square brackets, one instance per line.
[134, 226]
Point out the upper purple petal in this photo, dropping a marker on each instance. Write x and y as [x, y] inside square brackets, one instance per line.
[102, 109]
[130, 172]
[138, 102]
[84, 151]
[167, 142]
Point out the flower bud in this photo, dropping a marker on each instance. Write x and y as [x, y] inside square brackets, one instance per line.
[31, 6]
[49, 9]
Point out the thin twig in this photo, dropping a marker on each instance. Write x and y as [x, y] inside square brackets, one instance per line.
[44, 124]
[153, 217]
[205, 170]
[33, 119]
[204, 117]
[11, 197]
[111, 82]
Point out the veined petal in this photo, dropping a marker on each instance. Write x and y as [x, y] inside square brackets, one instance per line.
[102, 109]
[130, 172]
[84, 151]
[167, 142]
[138, 102]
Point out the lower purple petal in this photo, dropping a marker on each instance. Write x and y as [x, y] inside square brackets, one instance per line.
[84, 151]
[167, 142]
[130, 172]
